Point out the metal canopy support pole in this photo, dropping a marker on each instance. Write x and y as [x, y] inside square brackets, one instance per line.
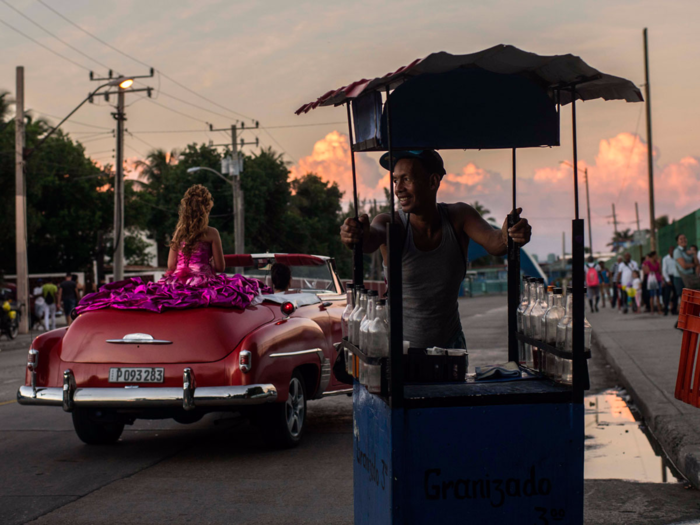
[357, 262]
[395, 247]
[22, 270]
[580, 372]
[513, 279]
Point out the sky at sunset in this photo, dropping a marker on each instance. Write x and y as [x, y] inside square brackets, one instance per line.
[262, 60]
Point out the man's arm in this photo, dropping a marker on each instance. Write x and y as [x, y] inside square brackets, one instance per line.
[372, 236]
[681, 262]
[59, 294]
[494, 241]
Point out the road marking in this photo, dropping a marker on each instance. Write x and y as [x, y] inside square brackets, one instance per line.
[7, 402]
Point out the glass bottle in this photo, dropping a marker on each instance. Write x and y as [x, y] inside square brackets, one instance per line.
[562, 328]
[527, 316]
[356, 317]
[364, 324]
[344, 318]
[567, 371]
[552, 316]
[536, 316]
[378, 335]
[524, 303]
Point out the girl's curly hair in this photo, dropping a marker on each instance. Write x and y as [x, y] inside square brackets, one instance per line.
[194, 219]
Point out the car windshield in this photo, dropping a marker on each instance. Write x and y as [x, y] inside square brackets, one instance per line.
[314, 279]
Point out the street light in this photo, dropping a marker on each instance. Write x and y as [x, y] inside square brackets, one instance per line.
[588, 203]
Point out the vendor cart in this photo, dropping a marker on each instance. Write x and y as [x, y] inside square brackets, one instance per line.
[466, 451]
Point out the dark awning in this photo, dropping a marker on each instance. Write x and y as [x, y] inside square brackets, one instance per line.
[552, 72]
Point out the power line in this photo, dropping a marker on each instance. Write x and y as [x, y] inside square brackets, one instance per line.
[174, 110]
[245, 129]
[45, 47]
[141, 140]
[139, 61]
[51, 34]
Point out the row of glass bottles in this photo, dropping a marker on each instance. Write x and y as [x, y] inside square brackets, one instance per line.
[542, 316]
[365, 323]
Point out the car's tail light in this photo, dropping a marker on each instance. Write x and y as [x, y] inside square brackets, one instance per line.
[287, 308]
[245, 361]
[32, 359]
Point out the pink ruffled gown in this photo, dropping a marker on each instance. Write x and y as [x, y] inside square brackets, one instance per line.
[192, 284]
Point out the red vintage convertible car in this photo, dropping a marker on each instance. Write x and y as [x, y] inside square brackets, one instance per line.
[112, 367]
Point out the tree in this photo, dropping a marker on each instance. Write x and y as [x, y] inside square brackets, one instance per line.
[316, 212]
[621, 239]
[661, 222]
[69, 200]
[481, 210]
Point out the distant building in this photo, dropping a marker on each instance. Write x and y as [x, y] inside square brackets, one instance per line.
[534, 256]
[551, 258]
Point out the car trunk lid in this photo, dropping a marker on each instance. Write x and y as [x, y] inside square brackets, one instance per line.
[183, 336]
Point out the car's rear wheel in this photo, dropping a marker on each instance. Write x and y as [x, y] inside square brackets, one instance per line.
[283, 424]
[94, 430]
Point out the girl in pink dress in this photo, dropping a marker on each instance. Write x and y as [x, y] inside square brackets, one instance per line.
[192, 280]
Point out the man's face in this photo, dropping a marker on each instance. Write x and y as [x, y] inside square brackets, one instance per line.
[692, 251]
[682, 241]
[628, 257]
[414, 188]
[619, 259]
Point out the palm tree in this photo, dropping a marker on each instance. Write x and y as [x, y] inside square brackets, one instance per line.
[620, 239]
[481, 210]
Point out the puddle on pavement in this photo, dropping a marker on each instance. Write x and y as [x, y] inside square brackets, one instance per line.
[618, 446]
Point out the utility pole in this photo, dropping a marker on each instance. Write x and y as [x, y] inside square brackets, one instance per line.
[120, 117]
[238, 194]
[118, 246]
[615, 226]
[650, 144]
[21, 206]
[588, 205]
[639, 231]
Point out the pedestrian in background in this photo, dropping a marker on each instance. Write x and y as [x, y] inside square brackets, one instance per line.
[49, 292]
[668, 271]
[604, 282]
[68, 296]
[625, 278]
[686, 265]
[693, 252]
[652, 268]
[615, 278]
[39, 304]
[592, 283]
[634, 291]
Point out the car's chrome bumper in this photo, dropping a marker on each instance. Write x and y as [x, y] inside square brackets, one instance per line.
[187, 397]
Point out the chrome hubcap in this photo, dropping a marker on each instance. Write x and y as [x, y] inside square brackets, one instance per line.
[295, 407]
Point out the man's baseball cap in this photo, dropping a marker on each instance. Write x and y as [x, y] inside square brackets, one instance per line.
[431, 159]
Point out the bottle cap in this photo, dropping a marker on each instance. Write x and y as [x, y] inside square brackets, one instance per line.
[372, 293]
[381, 302]
[557, 291]
[349, 286]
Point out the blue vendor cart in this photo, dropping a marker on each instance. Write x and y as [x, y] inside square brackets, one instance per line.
[471, 452]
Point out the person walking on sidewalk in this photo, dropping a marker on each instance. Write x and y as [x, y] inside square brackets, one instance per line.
[68, 296]
[615, 274]
[686, 265]
[668, 271]
[49, 291]
[626, 267]
[592, 283]
[652, 269]
[604, 282]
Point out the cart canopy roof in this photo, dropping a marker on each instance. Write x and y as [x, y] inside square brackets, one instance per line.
[552, 72]
[501, 97]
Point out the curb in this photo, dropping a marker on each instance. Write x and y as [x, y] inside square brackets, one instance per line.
[675, 433]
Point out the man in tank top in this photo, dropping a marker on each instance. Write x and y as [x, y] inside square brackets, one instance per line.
[436, 241]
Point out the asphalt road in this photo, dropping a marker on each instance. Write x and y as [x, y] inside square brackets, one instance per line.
[218, 471]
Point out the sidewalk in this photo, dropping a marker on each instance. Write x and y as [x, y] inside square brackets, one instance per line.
[644, 350]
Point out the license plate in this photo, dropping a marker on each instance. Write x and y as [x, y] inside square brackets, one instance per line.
[136, 375]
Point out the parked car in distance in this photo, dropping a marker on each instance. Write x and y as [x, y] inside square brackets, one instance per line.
[111, 367]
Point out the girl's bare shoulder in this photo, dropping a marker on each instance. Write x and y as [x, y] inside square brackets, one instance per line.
[211, 234]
